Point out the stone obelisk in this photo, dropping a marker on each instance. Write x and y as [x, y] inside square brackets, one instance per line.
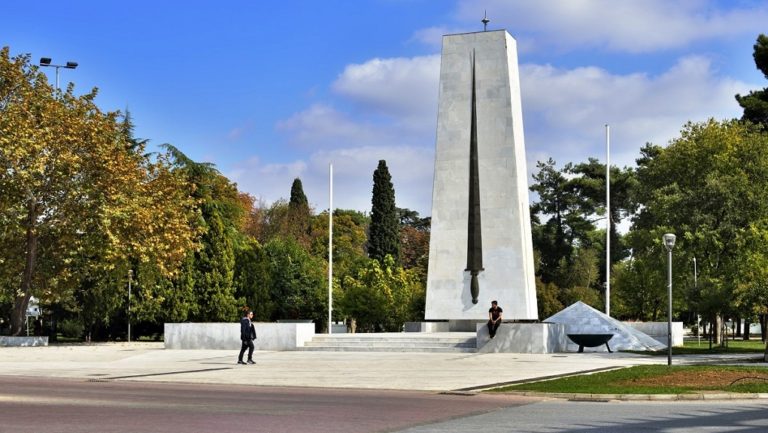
[480, 248]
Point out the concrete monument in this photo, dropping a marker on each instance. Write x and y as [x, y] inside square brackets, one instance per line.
[480, 248]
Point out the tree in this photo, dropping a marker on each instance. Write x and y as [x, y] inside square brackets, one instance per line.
[221, 214]
[755, 104]
[299, 214]
[383, 238]
[252, 279]
[414, 241]
[349, 238]
[296, 282]
[383, 296]
[298, 199]
[75, 203]
[556, 238]
[710, 187]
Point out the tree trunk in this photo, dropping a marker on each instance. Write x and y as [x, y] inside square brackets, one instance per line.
[763, 321]
[717, 329]
[738, 327]
[747, 324]
[20, 302]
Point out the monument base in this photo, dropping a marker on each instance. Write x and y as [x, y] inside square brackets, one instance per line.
[523, 338]
[443, 326]
[226, 336]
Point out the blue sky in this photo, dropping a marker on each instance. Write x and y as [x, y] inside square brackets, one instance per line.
[272, 90]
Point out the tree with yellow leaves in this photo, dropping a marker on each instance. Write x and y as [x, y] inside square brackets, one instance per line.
[79, 201]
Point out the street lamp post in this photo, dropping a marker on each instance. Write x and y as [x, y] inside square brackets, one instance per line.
[46, 61]
[696, 291]
[130, 279]
[669, 243]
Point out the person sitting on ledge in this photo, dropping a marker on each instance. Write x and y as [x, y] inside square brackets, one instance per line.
[494, 318]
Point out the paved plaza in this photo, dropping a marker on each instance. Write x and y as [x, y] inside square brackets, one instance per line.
[151, 362]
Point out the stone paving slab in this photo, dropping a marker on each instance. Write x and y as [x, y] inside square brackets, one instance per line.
[363, 370]
[439, 372]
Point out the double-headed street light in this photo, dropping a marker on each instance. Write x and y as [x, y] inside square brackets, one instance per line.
[669, 243]
[46, 61]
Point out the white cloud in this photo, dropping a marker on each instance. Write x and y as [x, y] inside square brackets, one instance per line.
[411, 170]
[564, 114]
[565, 109]
[322, 125]
[621, 25]
[401, 88]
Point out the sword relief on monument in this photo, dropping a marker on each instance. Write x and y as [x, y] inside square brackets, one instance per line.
[474, 234]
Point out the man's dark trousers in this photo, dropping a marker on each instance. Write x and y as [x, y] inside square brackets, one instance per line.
[247, 344]
[492, 327]
[247, 335]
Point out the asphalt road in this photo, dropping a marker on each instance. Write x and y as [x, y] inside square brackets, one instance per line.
[559, 416]
[63, 405]
[50, 405]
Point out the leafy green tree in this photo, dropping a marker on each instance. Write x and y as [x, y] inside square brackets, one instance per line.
[547, 298]
[755, 104]
[219, 219]
[75, 203]
[252, 279]
[297, 283]
[639, 283]
[383, 296]
[349, 239]
[383, 238]
[709, 186]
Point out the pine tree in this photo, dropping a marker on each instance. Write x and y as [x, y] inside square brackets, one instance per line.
[383, 238]
[755, 104]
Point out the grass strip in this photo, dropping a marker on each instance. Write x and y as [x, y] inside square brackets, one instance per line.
[656, 379]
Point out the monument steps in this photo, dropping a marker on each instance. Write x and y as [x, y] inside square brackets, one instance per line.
[461, 342]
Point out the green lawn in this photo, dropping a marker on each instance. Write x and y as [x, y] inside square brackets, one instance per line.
[656, 379]
[734, 346]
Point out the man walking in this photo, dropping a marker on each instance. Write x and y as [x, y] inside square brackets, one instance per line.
[247, 335]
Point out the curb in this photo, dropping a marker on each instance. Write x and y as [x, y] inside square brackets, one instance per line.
[642, 397]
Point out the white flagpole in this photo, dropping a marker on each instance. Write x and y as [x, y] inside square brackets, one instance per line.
[330, 248]
[607, 220]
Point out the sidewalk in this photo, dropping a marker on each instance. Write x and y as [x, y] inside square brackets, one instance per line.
[150, 362]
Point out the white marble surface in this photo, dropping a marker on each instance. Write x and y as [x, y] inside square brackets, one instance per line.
[270, 336]
[508, 274]
[522, 338]
[658, 330]
[580, 318]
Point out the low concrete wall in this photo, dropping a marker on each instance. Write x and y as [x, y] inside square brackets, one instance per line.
[226, 336]
[522, 338]
[23, 341]
[427, 327]
[444, 326]
[658, 331]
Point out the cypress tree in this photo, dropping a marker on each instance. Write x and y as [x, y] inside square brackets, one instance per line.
[384, 236]
[298, 198]
[299, 213]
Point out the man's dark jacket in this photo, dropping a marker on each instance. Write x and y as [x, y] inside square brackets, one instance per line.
[247, 330]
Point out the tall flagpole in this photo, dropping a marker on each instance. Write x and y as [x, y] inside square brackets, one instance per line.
[607, 220]
[330, 247]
